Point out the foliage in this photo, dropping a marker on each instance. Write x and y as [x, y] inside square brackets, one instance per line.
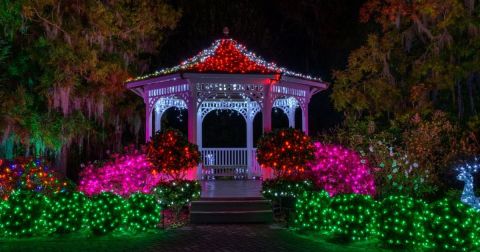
[401, 222]
[286, 151]
[178, 193]
[24, 214]
[63, 80]
[32, 175]
[452, 226]
[105, 213]
[397, 174]
[66, 213]
[124, 174]
[312, 211]
[353, 216]
[143, 212]
[171, 153]
[275, 189]
[340, 170]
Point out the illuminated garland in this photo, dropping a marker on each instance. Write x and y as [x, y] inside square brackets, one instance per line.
[402, 222]
[171, 153]
[32, 175]
[286, 151]
[274, 189]
[313, 211]
[66, 213]
[353, 216]
[226, 56]
[105, 213]
[143, 212]
[23, 214]
[123, 175]
[341, 170]
[453, 226]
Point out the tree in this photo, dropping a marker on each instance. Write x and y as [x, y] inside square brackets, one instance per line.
[67, 63]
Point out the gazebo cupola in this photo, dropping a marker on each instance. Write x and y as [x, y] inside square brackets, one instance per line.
[226, 76]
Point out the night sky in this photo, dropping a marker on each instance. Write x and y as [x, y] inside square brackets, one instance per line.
[308, 36]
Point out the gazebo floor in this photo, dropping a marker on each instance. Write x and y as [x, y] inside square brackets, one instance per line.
[231, 188]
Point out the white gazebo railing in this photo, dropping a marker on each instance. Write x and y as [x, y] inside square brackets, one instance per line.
[229, 162]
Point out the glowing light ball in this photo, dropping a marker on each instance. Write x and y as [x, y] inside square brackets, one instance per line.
[124, 175]
[337, 169]
[24, 213]
[66, 213]
[313, 211]
[105, 213]
[143, 212]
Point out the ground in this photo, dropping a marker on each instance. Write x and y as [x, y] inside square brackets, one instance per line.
[190, 238]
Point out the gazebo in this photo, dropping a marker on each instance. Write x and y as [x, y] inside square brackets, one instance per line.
[225, 76]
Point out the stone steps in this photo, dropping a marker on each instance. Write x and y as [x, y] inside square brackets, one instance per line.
[231, 210]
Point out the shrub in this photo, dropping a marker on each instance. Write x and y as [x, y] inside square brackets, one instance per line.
[143, 212]
[337, 169]
[276, 189]
[124, 174]
[172, 154]
[176, 194]
[312, 211]
[402, 221]
[105, 213]
[452, 225]
[24, 214]
[67, 212]
[286, 151]
[353, 216]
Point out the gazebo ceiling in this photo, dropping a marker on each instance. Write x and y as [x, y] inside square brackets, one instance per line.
[227, 56]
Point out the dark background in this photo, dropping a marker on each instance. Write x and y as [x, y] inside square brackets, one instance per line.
[308, 36]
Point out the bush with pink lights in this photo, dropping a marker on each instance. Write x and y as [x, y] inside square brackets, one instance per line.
[339, 170]
[124, 174]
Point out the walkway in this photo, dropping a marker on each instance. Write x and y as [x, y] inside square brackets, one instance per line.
[231, 188]
[190, 238]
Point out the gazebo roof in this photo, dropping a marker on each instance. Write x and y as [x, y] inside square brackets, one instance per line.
[226, 56]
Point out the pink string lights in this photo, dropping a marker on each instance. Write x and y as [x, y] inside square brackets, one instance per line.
[340, 170]
[123, 175]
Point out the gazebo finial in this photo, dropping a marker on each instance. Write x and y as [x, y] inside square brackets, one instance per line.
[226, 31]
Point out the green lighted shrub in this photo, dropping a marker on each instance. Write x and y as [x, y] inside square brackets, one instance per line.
[176, 194]
[401, 222]
[452, 225]
[353, 216]
[312, 211]
[275, 189]
[105, 213]
[67, 212]
[24, 214]
[143, 212]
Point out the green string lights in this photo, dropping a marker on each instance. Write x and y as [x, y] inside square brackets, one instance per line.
[143, 212]
[23, 214]
[313, 211]
[353, 216]
[105, 213]
[66, 212]
[177, 193]
[402, 222]
[450, 225]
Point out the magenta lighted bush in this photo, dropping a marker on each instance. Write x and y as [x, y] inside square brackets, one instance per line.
[337, 169]
[123, 175]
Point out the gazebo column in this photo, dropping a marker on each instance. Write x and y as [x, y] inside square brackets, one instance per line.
[267, 109]
[291, 117]
[148, 122]
[305, 119]
[250, 155]
[158, 120]
[192, 120]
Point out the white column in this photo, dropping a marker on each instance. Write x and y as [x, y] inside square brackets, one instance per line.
[158, 119]
[267, 109]
[291, 117]
[192, 118]
[199, 139]
[305, 119]
[148, 122]
[249, 122]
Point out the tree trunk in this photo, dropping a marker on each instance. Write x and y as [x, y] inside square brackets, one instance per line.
[470, 94]
[459, 100]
